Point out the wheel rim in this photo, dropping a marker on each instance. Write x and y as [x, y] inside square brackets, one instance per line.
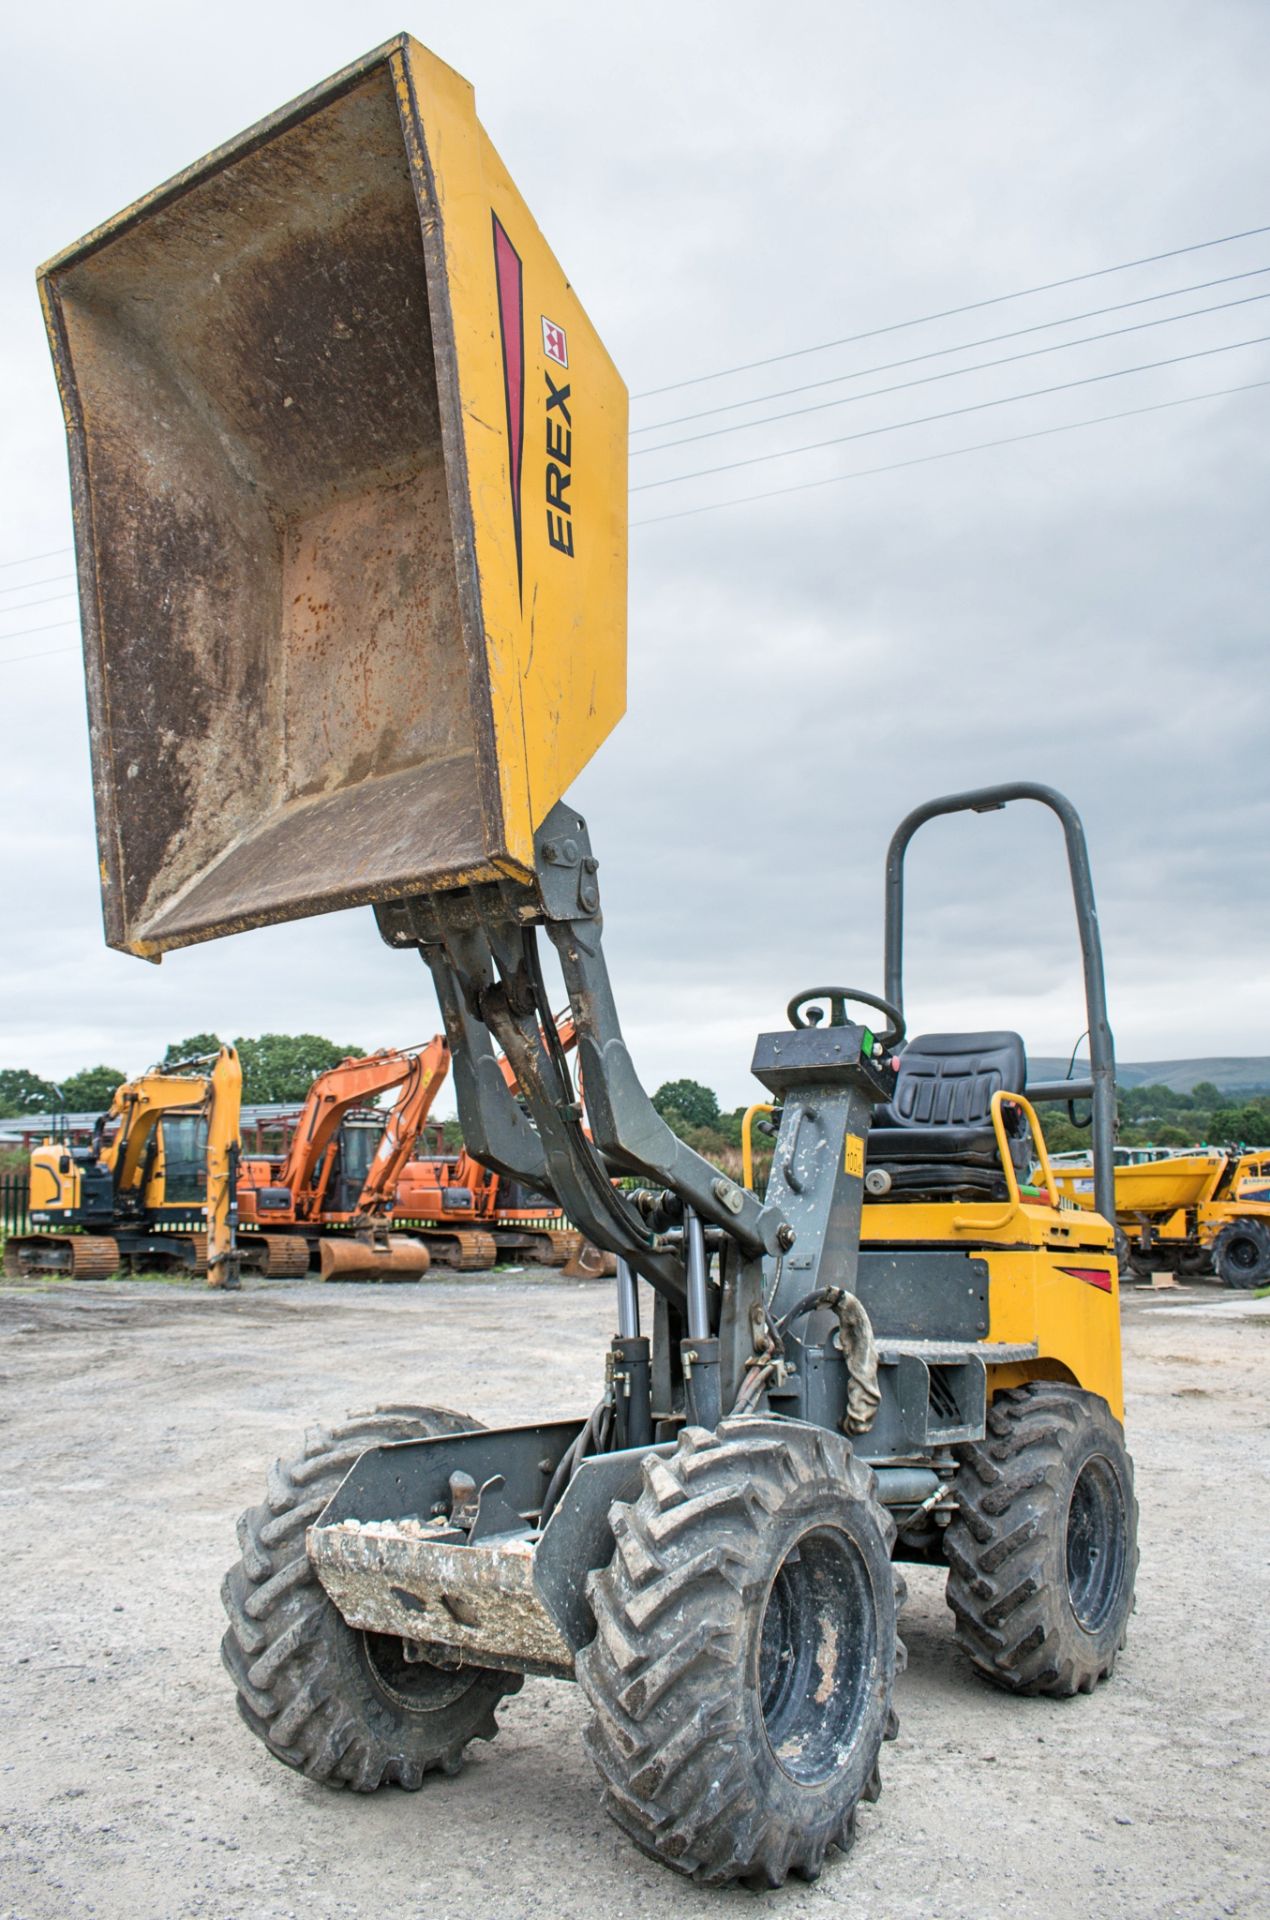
[1243, 1253]
[1095, 1543]
[817, 1655]
[414, 1685]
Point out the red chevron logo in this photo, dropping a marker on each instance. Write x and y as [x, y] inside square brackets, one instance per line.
[509, 279]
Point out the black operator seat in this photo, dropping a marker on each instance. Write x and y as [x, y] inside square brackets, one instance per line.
[935, 1135]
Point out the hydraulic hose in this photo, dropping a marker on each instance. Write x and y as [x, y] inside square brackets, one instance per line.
[859, 1350]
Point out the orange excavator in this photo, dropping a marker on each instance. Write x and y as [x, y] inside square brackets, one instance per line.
[472, 1217]
[331, 1197]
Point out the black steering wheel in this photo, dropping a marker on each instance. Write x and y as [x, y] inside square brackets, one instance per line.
[838, 998]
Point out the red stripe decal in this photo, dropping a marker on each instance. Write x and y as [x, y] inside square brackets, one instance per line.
[511, 326]
[1092, 1277]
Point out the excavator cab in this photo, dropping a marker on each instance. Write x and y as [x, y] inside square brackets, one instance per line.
[353, 1151]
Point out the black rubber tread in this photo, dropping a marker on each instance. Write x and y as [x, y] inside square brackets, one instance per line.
[304, 1680]
[676, 1729]
[1007, 1547]
[1241, 1253]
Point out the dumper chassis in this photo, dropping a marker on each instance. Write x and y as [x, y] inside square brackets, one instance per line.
[711, 1552]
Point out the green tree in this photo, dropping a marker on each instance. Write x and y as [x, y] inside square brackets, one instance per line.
[22, 1091]
[191, 1049]
[91, 1090]
[1060, 1135]
[689, 1100]
[282, 1066]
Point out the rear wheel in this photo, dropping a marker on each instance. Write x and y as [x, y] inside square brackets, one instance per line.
[341, 1706]
[740, 1679]
[1044, 1549]
[1241, 1254]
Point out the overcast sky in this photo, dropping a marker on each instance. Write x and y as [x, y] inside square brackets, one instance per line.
[725, 183]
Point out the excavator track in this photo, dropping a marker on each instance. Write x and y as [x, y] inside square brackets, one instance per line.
[75, 1256]
[554, 1246]
[197, 1244]
[533, 1246]
[94, 1258]
[462, 1249]
[276, 1256]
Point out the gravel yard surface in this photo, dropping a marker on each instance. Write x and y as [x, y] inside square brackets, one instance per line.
[136, 1421]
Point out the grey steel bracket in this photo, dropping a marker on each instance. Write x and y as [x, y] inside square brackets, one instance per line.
[480, 944]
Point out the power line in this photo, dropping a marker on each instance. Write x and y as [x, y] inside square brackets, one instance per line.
[950, 313]
[51, 555]
[951, 373]
[952, 413]
[20, 633]
[938, 353]
[49, 579]
[951, 453]
[46, 602]
[46, 653]
[837, 479]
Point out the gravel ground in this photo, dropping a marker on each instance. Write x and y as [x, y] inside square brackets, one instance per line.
[135, 1422]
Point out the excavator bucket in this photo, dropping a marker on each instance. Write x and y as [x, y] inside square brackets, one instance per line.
[588, 1262]
[355, 1257]
[349, 476]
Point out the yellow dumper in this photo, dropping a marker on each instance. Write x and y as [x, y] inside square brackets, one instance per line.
[350, 481]
[1189, 1213]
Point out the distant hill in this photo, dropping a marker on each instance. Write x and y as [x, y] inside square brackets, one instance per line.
[1232, 1073]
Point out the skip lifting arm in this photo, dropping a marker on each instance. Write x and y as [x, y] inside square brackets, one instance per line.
[480, 945]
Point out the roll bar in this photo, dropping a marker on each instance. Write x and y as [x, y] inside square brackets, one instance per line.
[1101, 1086]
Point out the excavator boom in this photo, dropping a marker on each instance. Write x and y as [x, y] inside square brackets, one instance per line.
[306, 1171]
[405, 1123]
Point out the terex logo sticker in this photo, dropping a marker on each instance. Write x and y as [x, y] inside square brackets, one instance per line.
[559, 466]
[553, 342]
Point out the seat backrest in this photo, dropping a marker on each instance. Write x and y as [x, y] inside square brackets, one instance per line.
[948, 1079]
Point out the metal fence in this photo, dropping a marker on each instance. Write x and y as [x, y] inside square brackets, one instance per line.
[15, 1190]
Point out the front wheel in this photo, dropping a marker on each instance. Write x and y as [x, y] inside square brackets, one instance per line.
[1044, 1548]
[344, 1707]
[1241, 1253]
[745, 1653]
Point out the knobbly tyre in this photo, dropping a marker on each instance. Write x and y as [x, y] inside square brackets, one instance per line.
[384, 646]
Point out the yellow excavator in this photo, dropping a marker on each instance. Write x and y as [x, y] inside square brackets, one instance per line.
[155, 1190]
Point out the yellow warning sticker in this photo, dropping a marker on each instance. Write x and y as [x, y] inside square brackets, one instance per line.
[853, 1155]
